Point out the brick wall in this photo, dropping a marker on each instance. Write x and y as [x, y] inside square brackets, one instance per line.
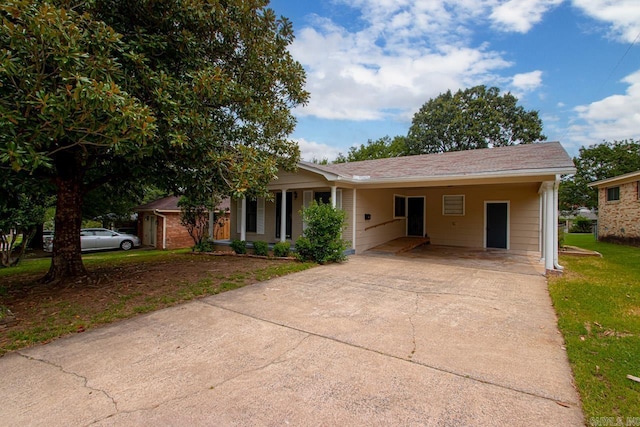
[177, 236]
[620, 219]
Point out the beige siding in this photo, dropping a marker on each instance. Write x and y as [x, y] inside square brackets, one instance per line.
[379, 204]
[466, 230]
[300, 179]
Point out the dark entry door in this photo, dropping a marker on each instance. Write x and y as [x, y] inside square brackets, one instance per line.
[279, 214]
[497, 222]
[415, 216]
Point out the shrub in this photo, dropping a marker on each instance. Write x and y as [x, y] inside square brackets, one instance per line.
[261, 248]
[581, 225]
[281, 249]
[322, 241]
[204, 246]
[239, 246]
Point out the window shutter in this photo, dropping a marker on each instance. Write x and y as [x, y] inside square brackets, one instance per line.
[260, 215]
[339, 199]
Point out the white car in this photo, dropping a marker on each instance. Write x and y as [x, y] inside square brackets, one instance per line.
[94, 239]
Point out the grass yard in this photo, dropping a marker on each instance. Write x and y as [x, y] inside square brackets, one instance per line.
[598, 306]
[125, 284]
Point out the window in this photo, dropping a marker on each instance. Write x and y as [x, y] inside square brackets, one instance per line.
[638, 190]
[252, 215]
[453, 204]
[323, 197]
[289, 210]
[399, 206]
[613, 193]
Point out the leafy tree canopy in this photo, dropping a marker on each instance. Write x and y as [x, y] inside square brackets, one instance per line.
[378, 149]
[594, 163]
[189, 96]
[478, 117]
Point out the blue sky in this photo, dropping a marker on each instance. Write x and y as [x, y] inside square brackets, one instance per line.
[371, 64]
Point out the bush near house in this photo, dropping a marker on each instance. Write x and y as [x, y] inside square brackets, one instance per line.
[282, 249]
[322, 240]
[261, 248]
[239, 246]
[581, 225]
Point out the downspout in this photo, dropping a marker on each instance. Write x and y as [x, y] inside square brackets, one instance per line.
[556, 185]
[164, 228]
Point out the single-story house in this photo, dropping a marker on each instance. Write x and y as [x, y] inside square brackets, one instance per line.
[504, 197]
[159, 224]
[619, 208]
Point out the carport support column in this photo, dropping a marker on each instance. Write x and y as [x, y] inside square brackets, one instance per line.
[243, 219]
[283, 216]
[549, 225]
[333, 196]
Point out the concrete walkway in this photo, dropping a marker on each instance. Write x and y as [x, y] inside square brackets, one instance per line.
[373, 341]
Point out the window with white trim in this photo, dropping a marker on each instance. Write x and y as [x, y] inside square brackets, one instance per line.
[453, 204]
[399, 206]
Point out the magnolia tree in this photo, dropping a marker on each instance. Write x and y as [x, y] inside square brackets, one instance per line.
[193, 97]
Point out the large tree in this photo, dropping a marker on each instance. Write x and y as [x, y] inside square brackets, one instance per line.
[193, 97]
[375, 149]
[478, 117]
[596, 162]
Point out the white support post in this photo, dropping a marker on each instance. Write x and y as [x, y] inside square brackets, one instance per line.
[549, 226]
[333, 196]
[283, 216]
[556, 186]
[243, 220]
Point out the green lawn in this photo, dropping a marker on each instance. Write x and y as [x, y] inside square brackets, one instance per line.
[598, 306]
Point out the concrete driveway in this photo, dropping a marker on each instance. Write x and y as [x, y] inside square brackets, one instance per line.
[373, 341]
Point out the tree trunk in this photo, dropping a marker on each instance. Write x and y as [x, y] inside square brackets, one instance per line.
[66, 261]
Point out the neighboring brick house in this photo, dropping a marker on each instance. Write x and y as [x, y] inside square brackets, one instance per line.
[159, 224]
[619, 208]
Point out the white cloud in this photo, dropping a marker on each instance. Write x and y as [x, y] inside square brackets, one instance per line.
[313, 150]
[526, 82]
[622, 15]
[612, 118]
[407, 52]
[520, 15]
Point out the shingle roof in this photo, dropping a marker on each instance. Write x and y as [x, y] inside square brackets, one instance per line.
[546, 156]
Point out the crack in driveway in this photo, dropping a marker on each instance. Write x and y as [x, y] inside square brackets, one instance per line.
[84, 379]
[409, 360]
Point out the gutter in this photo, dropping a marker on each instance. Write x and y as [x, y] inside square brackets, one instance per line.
[164, 228]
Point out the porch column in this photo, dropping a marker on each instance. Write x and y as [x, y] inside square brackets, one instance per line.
[243, 219]
[549, 227]
[283, 216]
[556, 186]
[333, 196]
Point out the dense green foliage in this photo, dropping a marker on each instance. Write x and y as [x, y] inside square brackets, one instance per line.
[322, 239]
[594, 163]
[239, 246]
[282, 249]
[477, 117]
[598, 306]
[581, 225]
[192, 97]
[261, 248]
[379, 149]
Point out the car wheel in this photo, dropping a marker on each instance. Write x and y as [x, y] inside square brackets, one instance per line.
[126, 245]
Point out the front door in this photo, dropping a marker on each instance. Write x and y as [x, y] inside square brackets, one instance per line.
[415, 216]
[497, 217]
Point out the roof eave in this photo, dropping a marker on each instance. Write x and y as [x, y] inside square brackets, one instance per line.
[624, 177]
[456, 177]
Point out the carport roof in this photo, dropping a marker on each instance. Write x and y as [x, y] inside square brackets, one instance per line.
[517, 160]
